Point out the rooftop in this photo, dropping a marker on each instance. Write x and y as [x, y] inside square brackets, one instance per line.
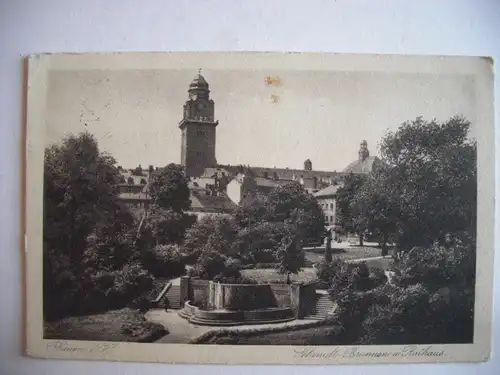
[361, 166]
[328, 191]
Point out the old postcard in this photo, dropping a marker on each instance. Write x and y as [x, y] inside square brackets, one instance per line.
[259, 208]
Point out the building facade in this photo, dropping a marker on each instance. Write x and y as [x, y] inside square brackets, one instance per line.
[327, 201]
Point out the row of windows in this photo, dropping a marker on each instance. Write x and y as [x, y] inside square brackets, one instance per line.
[329, 219]
[325, 206]
[130, 181]
[137, 204]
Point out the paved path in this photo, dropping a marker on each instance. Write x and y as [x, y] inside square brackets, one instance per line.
[182, 331]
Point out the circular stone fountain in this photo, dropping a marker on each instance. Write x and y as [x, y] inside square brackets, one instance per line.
[238, 304]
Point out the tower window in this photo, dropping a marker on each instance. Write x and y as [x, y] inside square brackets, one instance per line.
[200, 133]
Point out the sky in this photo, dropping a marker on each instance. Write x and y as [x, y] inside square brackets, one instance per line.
[318, 115]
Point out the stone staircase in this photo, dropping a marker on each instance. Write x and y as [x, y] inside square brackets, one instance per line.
[174, 297]
[323, 309]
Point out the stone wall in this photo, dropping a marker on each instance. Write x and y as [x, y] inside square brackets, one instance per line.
[281, 294]
[307, 299]
[199, 293]
[237, 297]
[246, 297]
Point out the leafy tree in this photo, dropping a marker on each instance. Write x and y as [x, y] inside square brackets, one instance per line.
[290, 255]
[87, 230]
[349, 209]
[251, 211]
[211, 233]
[373, 205]
[423, 190]
[80, 193]
[431, 180]
[291, 202]
[109, 249]
[163, 227]
[169, 188]
[258, 243]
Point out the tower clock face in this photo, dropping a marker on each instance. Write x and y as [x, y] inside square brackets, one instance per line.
[201, 106]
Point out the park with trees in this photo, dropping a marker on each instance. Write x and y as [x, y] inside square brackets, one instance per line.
[419, 202]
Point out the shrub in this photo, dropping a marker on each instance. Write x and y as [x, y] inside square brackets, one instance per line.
[437, 266]
[131, 282]
[325, 272]
[377, 277]
[431, 301]
[209, 265]
[164, 261]
[349, 277]
[142, 304]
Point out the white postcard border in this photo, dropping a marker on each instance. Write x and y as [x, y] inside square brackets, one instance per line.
[41, 64]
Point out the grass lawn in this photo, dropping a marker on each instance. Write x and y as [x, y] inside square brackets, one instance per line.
[323, 335]
[107, 326]
[270, 275]
[350, 253]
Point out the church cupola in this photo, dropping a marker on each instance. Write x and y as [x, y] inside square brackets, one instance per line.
[308, 165]
[363, 151]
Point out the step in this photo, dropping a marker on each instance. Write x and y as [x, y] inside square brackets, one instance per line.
[313, 317]
[215, 323]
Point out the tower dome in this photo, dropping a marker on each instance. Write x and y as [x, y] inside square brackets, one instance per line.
[198, 82]
[364, 163]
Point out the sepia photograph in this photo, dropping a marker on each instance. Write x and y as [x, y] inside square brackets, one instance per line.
[259, 208]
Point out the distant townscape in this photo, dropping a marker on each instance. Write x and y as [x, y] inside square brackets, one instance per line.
[218, 189]
[380, 253]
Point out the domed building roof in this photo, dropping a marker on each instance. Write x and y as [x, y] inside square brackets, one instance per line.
[365, 162]
[361, 166]
[198, 82]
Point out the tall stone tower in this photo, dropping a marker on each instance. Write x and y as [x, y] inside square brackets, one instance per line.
[198, 129]
[363, 152]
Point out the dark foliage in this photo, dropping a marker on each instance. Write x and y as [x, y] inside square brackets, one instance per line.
[169, 188]
[90, 262]
[212, 234]
[430, 302]
[164, 227]
[164, 261]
